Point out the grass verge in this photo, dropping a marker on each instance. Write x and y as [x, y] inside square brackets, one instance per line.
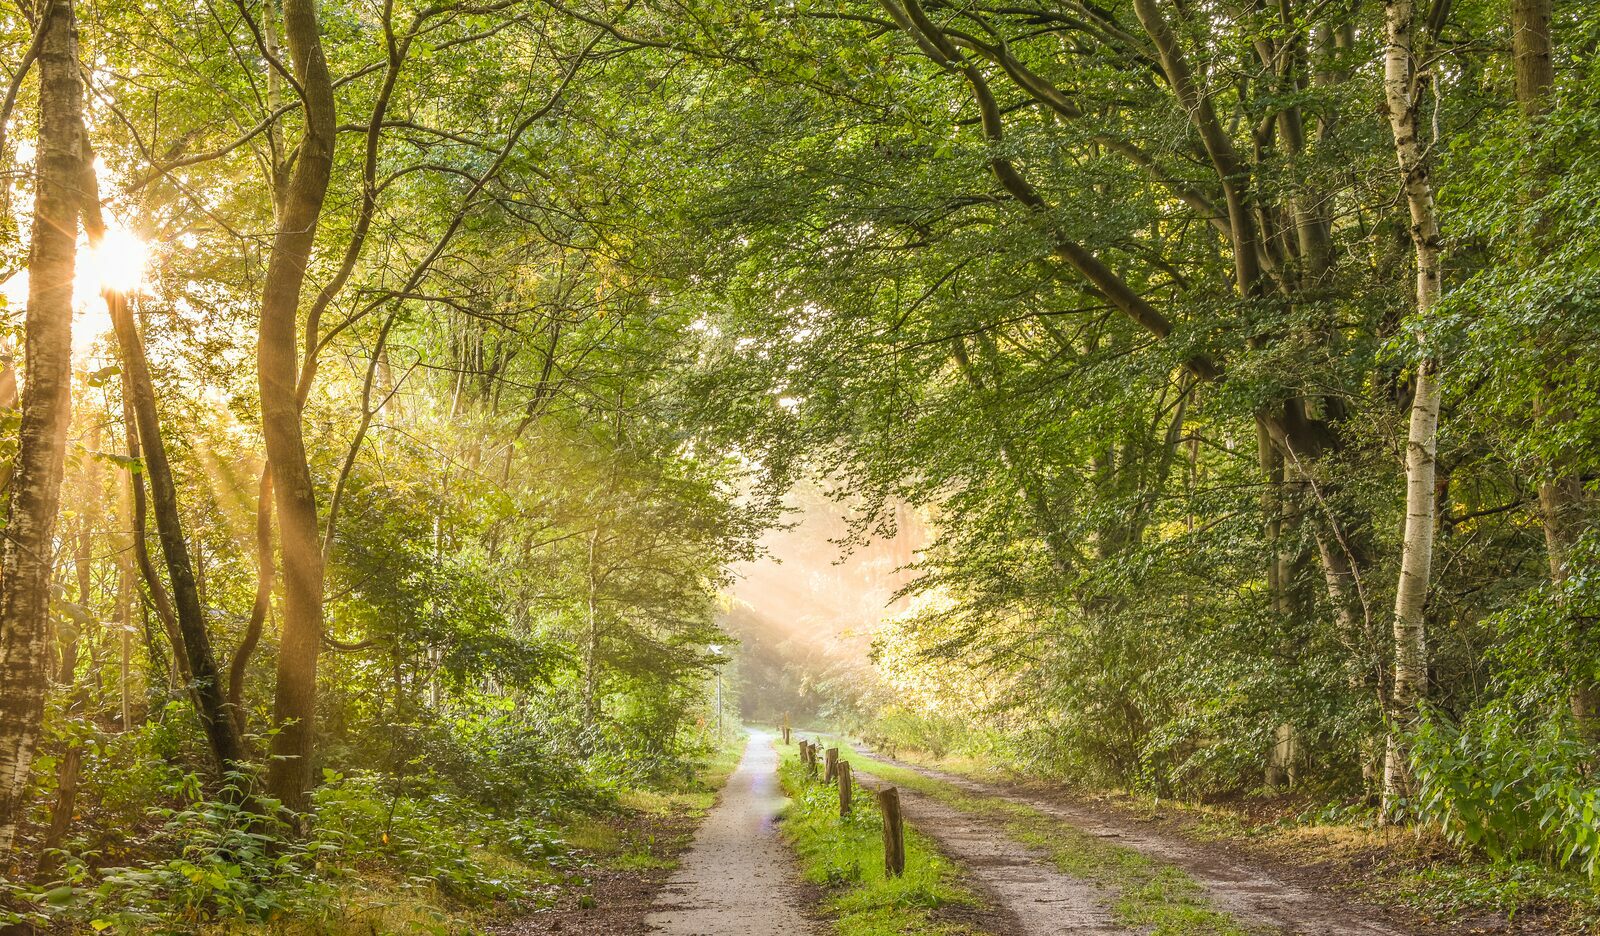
[843, 855]
[1154, 896]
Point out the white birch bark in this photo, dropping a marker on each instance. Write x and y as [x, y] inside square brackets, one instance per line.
[1401, 91]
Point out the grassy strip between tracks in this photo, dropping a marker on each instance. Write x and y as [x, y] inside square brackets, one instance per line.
[844, 857]
[1154, 896]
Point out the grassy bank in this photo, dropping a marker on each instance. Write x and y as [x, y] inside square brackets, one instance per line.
[1144, 893]
[844, 857]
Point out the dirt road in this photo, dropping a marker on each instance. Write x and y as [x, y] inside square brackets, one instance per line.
[1036, 899]
[1252, 895]
[738, 878]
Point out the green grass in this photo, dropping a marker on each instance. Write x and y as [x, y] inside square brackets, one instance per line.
[844, 856]
[1144, 892]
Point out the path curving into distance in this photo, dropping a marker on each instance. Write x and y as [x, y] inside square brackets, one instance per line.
[738, 878]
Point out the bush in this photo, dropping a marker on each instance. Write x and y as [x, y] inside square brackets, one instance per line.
[1508, 789]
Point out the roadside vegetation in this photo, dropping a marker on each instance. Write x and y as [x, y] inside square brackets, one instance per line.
[842, 856]
[421, 858]
[1437, 881]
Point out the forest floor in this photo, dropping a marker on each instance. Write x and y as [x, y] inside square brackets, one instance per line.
[1188, 871]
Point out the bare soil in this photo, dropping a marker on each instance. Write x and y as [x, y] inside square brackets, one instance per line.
[1026, 895]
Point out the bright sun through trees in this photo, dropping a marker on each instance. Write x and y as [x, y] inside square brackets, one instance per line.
[117, 262]
[430, 433]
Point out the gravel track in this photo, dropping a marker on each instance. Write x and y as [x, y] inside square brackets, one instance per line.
[738, 878]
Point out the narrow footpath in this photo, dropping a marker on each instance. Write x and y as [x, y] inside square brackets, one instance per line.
[1252, 895]
[738, 878]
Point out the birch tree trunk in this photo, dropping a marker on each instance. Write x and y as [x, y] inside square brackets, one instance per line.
[295, 703]
[1400, 87]
[46, 410]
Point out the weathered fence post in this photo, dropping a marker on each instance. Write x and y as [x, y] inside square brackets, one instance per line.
[844, 788]
[786, 735]
[894, 834]
[830, 764]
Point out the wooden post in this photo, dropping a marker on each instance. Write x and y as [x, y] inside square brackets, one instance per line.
[894, 834]
[786, 735]
[844, 788]
[811, 757]
[830, 764]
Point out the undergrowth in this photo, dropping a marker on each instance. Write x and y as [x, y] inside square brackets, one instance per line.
[377, 856]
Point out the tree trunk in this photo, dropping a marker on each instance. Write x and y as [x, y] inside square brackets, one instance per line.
[82, 558]
[295, 705]
[1562, 500]
[591, 644]
[46, 410]
[125, 643]
[1416, 557]
[206, 679]
[160, 599]
[1530, 53]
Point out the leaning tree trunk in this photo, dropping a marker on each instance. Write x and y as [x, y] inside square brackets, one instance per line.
[1416, 557]
[211, 703]
[295, 705]
[46, 410]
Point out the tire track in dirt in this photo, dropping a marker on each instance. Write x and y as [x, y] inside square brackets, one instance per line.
[1251, 894]
[1019, 880]
[738, 878]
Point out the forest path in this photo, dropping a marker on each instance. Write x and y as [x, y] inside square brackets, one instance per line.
[738, 878]
[1251, 894]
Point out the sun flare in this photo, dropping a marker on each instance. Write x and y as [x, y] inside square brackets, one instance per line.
[117, 263]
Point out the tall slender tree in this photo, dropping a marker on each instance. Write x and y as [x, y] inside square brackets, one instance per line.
[28, 552]
[1403, 97]
[295, 703]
